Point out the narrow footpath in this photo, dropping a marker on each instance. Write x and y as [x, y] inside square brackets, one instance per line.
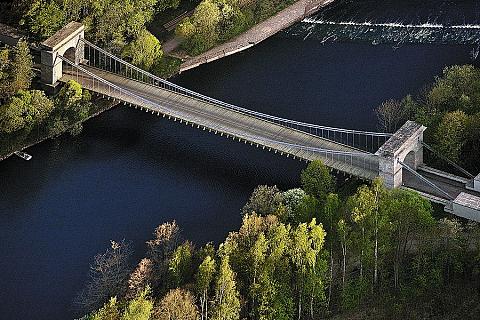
[257, 33]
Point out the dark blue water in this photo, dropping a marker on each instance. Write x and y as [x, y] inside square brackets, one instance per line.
[130, 171]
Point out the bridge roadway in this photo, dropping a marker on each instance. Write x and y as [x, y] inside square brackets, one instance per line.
[257, 131]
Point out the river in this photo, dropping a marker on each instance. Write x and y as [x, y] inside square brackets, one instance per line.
[129, 171]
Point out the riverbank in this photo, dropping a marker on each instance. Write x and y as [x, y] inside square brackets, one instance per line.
[100, 105]
[256, 34]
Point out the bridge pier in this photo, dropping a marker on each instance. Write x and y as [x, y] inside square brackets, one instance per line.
[65, 42]
[404, 146]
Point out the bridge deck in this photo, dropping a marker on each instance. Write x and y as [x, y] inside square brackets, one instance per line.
[232, 123]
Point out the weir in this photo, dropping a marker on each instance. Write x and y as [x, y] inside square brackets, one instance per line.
[386, 32]
[363, 154]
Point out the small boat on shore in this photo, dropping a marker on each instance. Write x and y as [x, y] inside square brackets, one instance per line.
[23, 155]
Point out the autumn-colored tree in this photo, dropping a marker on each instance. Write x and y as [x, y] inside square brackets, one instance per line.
[140, 278]
[177, 304]
[108, 276]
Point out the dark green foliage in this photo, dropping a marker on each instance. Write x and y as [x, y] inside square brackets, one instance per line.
[166, 67]
[72, 105]
[15, 70]
[317, 181]
[450, 110]
[264, 200]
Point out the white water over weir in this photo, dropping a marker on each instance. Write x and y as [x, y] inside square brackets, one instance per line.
[392, 24]
[387, 32]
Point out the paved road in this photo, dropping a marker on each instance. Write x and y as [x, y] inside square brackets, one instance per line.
[231, 123]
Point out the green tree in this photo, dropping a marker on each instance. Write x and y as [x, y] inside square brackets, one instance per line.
[21, 68]
[344, 229]
[144, 51]
[109, 311]
[316, 180]
[307, 243]
[366, 212]
[15, 70]
[180, 264]
[204, 278]
[200, 31]
[330, 218]
[457, 89]
[451, 134]
[227, 301]
[309, 208]
[160, 250]
[409, 214]
[139, 308]
[264, 200]
[44, 18]
[23, 110]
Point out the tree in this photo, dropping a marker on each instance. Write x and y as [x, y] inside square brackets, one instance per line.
[200, 31]
[204, 278]
[177, 304]
[140, 278]
[15, 70]
[180, 264]
[366, 212]
[307, 243]
[451, 134]
[144, 51]
[330, 219]
[161, 249]
[409, 213]
[227, 301]
[362, 211]
[109, 311]
[23, 110]
[316, 180]
[292, 199]
[450, 233]
[4, 73]
[139, 308]
[44, 18]
[72, 104]
[21, 69]
[391, 115]
[309, 208]
[108, 276]
[17, 113]
[457, 89]
[264, 200]
[343, 230]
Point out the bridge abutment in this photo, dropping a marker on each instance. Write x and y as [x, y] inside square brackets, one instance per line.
[406, 146]
[66, 39]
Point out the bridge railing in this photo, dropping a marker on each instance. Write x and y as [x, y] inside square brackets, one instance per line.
[333, 158]
[363, 140]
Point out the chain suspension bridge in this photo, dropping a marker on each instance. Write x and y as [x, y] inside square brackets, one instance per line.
[367, 155]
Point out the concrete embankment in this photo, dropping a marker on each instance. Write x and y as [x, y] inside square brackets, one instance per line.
[258, 33]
